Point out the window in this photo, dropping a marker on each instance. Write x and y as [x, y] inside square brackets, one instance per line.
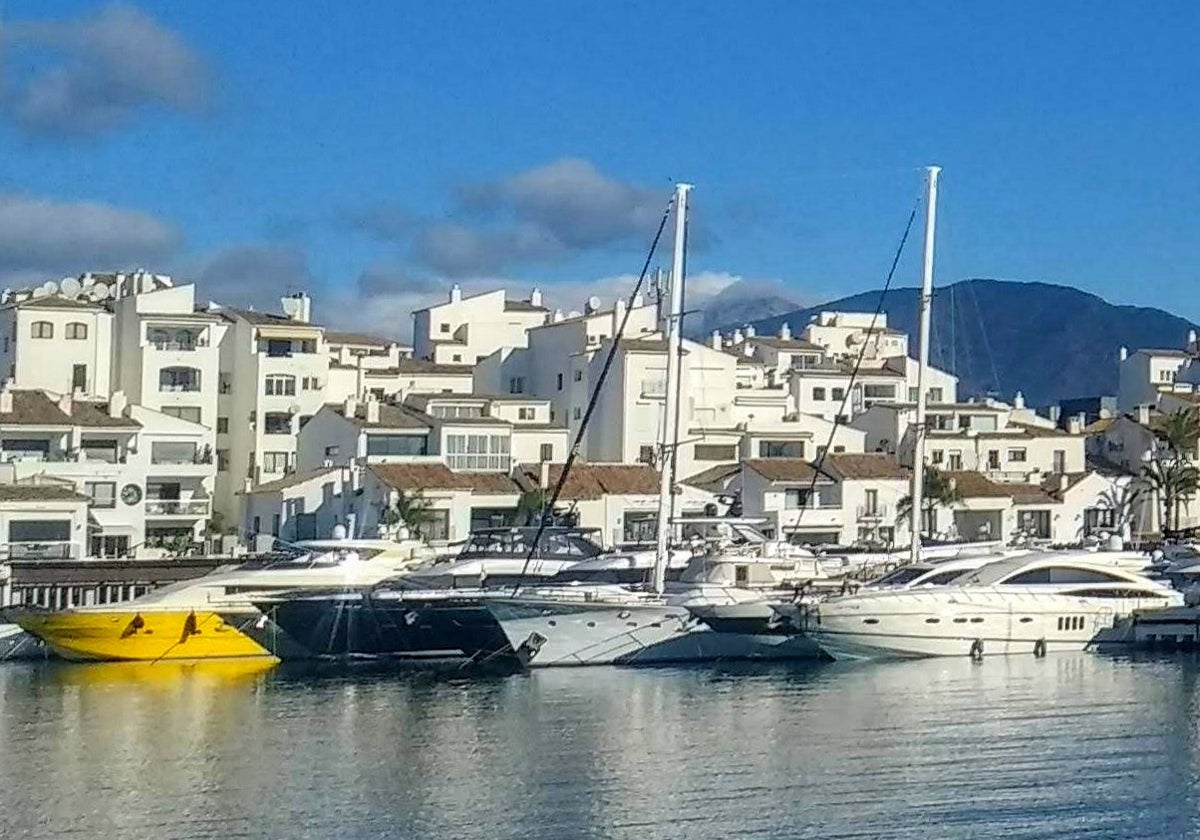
[1060, 460]
[646, 453]
[577, 413]
[837, 394]
[452, 411]
[457, 357]
[79, 377]
[173, 452]
[578, 376]
[526, 414]
[76, 330]
[179, 379]
[818, 394]
[954, 460]
[1016, 455]
[912, 395]
[436, 526]
[278, 347]
[444, 328]
[189, 413]
[397, 445]
[781, 449]
[332, 451]
[546, 452]
[43, 329]
[1062, 574]
[310, 383]
[1098, 519]
[222, 425]
[715, 452]
[281, 385]
[993, 461]
[558, 381]
[275, 525]
[478, 452]
[964, 421]
[879, 392]
[796, 497]
[102, 493]
[103, 450]
[871, 508]
[275, 462]
[516, 385]
[256, 526]
[935, 395]
[937, 456]
[640, 527]
[223, 460]
[277, 423]
[1035, 523]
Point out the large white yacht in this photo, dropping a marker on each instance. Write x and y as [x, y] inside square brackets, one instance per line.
[1034, 604]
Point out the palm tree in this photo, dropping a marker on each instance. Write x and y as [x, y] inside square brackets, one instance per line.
[1180, 431]
[1171, 471]
[937, 490]
[412, 510]
[532, 504]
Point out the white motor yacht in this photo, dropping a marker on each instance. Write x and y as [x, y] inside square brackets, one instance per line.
[499, 556]
[1035, 604]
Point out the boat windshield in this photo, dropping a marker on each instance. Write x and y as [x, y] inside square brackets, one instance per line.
[516, 542]
[311, 560]
[903, 575]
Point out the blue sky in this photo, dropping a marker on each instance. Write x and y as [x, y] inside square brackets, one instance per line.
[375, 152]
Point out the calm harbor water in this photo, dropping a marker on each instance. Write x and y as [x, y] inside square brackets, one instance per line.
[1071, 746]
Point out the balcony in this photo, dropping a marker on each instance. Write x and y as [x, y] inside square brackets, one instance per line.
[38, 551]
[180, 346]
[480, 462]
[178, 507]
[872, 513]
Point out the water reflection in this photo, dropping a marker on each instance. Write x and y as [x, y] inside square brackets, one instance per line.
[1065, 746]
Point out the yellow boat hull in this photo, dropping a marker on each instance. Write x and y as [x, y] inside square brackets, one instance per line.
[140, 636]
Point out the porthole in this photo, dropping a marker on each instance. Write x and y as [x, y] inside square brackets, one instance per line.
[656, 624]
[1025, 619]
[631, 624]
[977, 620]
[552, 623]
[591, 624]
[870, 621]
[932, 620]
[960, 620]
[623, 614]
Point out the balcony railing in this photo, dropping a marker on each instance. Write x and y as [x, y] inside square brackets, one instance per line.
[177, 507]
[38, 551]
[872, 512]
[159, 344]
[499, 463]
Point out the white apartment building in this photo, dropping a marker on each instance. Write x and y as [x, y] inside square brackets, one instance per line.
[274, 370]
[465, 330]
[1143, 374]
[303, 505]
[57, 344]
[851, 499]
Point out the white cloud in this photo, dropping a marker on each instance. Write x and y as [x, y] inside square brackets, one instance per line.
[95, 72]
[39, 235]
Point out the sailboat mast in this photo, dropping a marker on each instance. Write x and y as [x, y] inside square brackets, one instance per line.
[671, 393]
[918, 472]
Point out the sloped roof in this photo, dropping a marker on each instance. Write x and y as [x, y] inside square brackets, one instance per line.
[785, 343]
[361, 339]
[1099, 426]
[783, 469]
[424, 366]
[96, 414]
[857, 465]
[441, 477]
[268, 319]
[39, 493]
[713, 479]
[291, 480]
[390, 416]
[522, 306]
[55, 302]
[973, 485]
[34, 408]
[594, 481]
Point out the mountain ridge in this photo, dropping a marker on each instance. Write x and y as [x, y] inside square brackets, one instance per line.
[1050, 341]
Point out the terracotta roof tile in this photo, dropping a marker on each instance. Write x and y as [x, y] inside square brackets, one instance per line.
[337, 337]
[594, 481]
[441, 477]
[714, 479]
[390, 416]
[292, 479]
[847, 465]
[783, 469]
[34, 408]
[39, 493]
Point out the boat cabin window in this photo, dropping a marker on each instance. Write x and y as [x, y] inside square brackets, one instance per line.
[1113, 593]
[905, 574]
[1063, 574]
[741, 574]
[942, 578]
[516, 542]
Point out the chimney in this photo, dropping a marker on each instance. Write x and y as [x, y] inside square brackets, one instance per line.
[360, 378]
[299, 307]
[618, 315]
[6, 397]
[1019, 400]
[66, 404]
[1063, 483]
[785, 331]
[1054, 412]
[1075, 424]
[372, 405]
[638, 300]
[350, 408]
[1141, 413]
[558, 315]
[1123, 354]
[1191, 339]
[535, 297]
[715, 341]
[737, 337]
[748, 350]
[117, 403]
[455, 293]
[750, 331]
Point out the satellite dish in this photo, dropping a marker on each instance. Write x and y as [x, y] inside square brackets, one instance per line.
[50, 287]
[71, 287]
[101, 291]
[88, 280]
[40, 292]
[593, 304]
